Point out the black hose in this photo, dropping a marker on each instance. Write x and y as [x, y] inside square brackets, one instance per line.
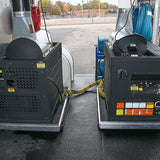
[45, 22]
[51, 80]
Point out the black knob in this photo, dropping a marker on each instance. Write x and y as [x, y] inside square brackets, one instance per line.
[122, 74]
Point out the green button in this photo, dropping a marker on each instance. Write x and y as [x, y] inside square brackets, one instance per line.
[159, 113]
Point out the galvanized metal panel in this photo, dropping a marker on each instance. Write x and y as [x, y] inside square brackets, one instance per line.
[5, 24]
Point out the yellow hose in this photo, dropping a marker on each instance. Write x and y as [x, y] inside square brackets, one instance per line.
[100, 90]
[99, 82]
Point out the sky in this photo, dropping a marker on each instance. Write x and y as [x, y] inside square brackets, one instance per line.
[75, 2]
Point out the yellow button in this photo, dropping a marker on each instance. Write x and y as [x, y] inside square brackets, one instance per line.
[150, 106]
[140, 89]
[1, 71]
[119, 112]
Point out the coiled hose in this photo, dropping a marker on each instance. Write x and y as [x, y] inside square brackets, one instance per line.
[142, 20]
[135, 12]
[100, 90]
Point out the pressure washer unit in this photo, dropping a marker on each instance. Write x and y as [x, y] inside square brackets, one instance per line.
[132, 80]
[31, 81]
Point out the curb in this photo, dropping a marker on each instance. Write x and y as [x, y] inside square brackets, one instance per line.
[79, 23]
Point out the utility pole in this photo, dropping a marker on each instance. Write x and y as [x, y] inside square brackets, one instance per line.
[82, 8]
[99, 8]
[88, 8]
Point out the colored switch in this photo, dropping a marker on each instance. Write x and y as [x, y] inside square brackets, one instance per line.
[150, 104]
[129, 105]
[149, 111]
[143, 111]
[128, 112]
[119, 112]
[120, 105]
[136, 112]
[141, 89]
[135, 105]
[142, 105]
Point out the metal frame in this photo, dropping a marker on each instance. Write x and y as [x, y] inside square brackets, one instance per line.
[38, 127]
[130, 125]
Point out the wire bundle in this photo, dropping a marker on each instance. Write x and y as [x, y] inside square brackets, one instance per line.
[142, 21]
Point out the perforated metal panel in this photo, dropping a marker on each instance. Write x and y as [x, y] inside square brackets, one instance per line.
[27, 77]
[19, 103]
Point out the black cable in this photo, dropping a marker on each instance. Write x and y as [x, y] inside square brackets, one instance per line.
[77, 95]
[91, 92]
[49, 33]
[45, 22]
[50, 79]
[126, 21]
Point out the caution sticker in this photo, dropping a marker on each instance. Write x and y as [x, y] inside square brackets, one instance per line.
[41, 65]
[134, 88]
[11, 90]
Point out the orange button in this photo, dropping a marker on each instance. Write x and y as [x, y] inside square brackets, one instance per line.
[149, 111]
[136, 112]
[143, 111]
[128, 112]
[150, 103]
[120, 105]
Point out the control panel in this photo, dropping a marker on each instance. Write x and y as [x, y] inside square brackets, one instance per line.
[138, 108]
[145, 83]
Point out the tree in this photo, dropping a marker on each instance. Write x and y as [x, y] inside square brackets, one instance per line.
[62, 7]
[103, 6]
[115, 7]
[106, 4]
[47, 6]
[111, 6]
[94, 4]
[65, 10]
[56, 10]
[79, 7]
[70, 7]
[85, 6]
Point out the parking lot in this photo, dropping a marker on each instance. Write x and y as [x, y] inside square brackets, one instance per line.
[81, 40]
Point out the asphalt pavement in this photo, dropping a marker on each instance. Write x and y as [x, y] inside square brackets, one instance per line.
[81, 41]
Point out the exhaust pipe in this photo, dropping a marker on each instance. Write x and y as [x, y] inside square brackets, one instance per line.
[21, 5]
[22, 20]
